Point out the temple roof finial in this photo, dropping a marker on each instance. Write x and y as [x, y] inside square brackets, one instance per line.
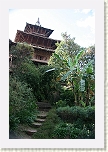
[38, 22]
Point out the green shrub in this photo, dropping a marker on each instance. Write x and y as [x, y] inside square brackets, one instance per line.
[60, 103]
[62, 131]
[31, 75]
[82, 119]
[43, 84]
[22, 103]
[90, 114]
[50, 87]
[71, 114]
[68, 97]
[69, 131]
[20, 52]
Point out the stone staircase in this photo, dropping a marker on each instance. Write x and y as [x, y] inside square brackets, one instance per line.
[43, 109]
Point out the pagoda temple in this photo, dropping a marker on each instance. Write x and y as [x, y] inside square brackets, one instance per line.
[38, 37]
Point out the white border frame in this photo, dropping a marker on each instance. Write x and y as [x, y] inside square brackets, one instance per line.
[98, 142]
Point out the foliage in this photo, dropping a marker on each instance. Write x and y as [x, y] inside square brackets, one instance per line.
[65, 48]
[31, 75]
[76, 67]
[22, 103]
[62, 131]
[46, 130]
[20, 53]
[21, 50]
[42, 83]
[78, 123]
[55, 128]
[72, 114]
[49, 85]
[89, 55]
[69, 131]
[60, 103]
[67, 96]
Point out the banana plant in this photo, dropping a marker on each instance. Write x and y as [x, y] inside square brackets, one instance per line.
[70, 71]
[79, 76]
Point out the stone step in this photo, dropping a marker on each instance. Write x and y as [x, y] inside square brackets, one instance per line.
[43, 105]
[41, 116]
[30, 132]
[44, 109]
[43, 112]
[40, 120]
[36, 124]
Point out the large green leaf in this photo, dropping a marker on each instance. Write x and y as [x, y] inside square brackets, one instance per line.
[70, 64]
[77, 57]
[50, 70]
[89, 70]
[82, 85]
[58, 57]
[65, 62]
[87, 66]
[65, 76]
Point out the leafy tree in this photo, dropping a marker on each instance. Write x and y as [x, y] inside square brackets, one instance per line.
[65, 48]
[22, 102]
[19, 54]
[49, 84]
[30, 75]
[42, 83]
[76, 69]
[89, 75]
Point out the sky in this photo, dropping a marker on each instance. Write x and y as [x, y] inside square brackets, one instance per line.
[78, 23]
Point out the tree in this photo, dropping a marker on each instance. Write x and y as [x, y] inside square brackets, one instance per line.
[65, 48]
[41, 82]
[20, 53]
[76, 69]
[22, 102]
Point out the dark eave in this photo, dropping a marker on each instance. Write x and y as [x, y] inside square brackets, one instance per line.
[39, 61]
[38, 47]
[42, 48]
[49, 31]
[39, 36]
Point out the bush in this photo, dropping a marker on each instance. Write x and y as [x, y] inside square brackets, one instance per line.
[42, 83]
[60, 103]
[68, 97]
[71, 114]
[69, 131]
[82, 119]
[62, 131]
[22, 103]
[31, 75]
[25, 70]
[50, 87]
[20, 51]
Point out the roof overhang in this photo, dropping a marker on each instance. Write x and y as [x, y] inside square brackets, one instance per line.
[39, 61]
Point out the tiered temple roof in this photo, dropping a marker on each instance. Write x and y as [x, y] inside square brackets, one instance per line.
[38, 37]
[35, 29]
